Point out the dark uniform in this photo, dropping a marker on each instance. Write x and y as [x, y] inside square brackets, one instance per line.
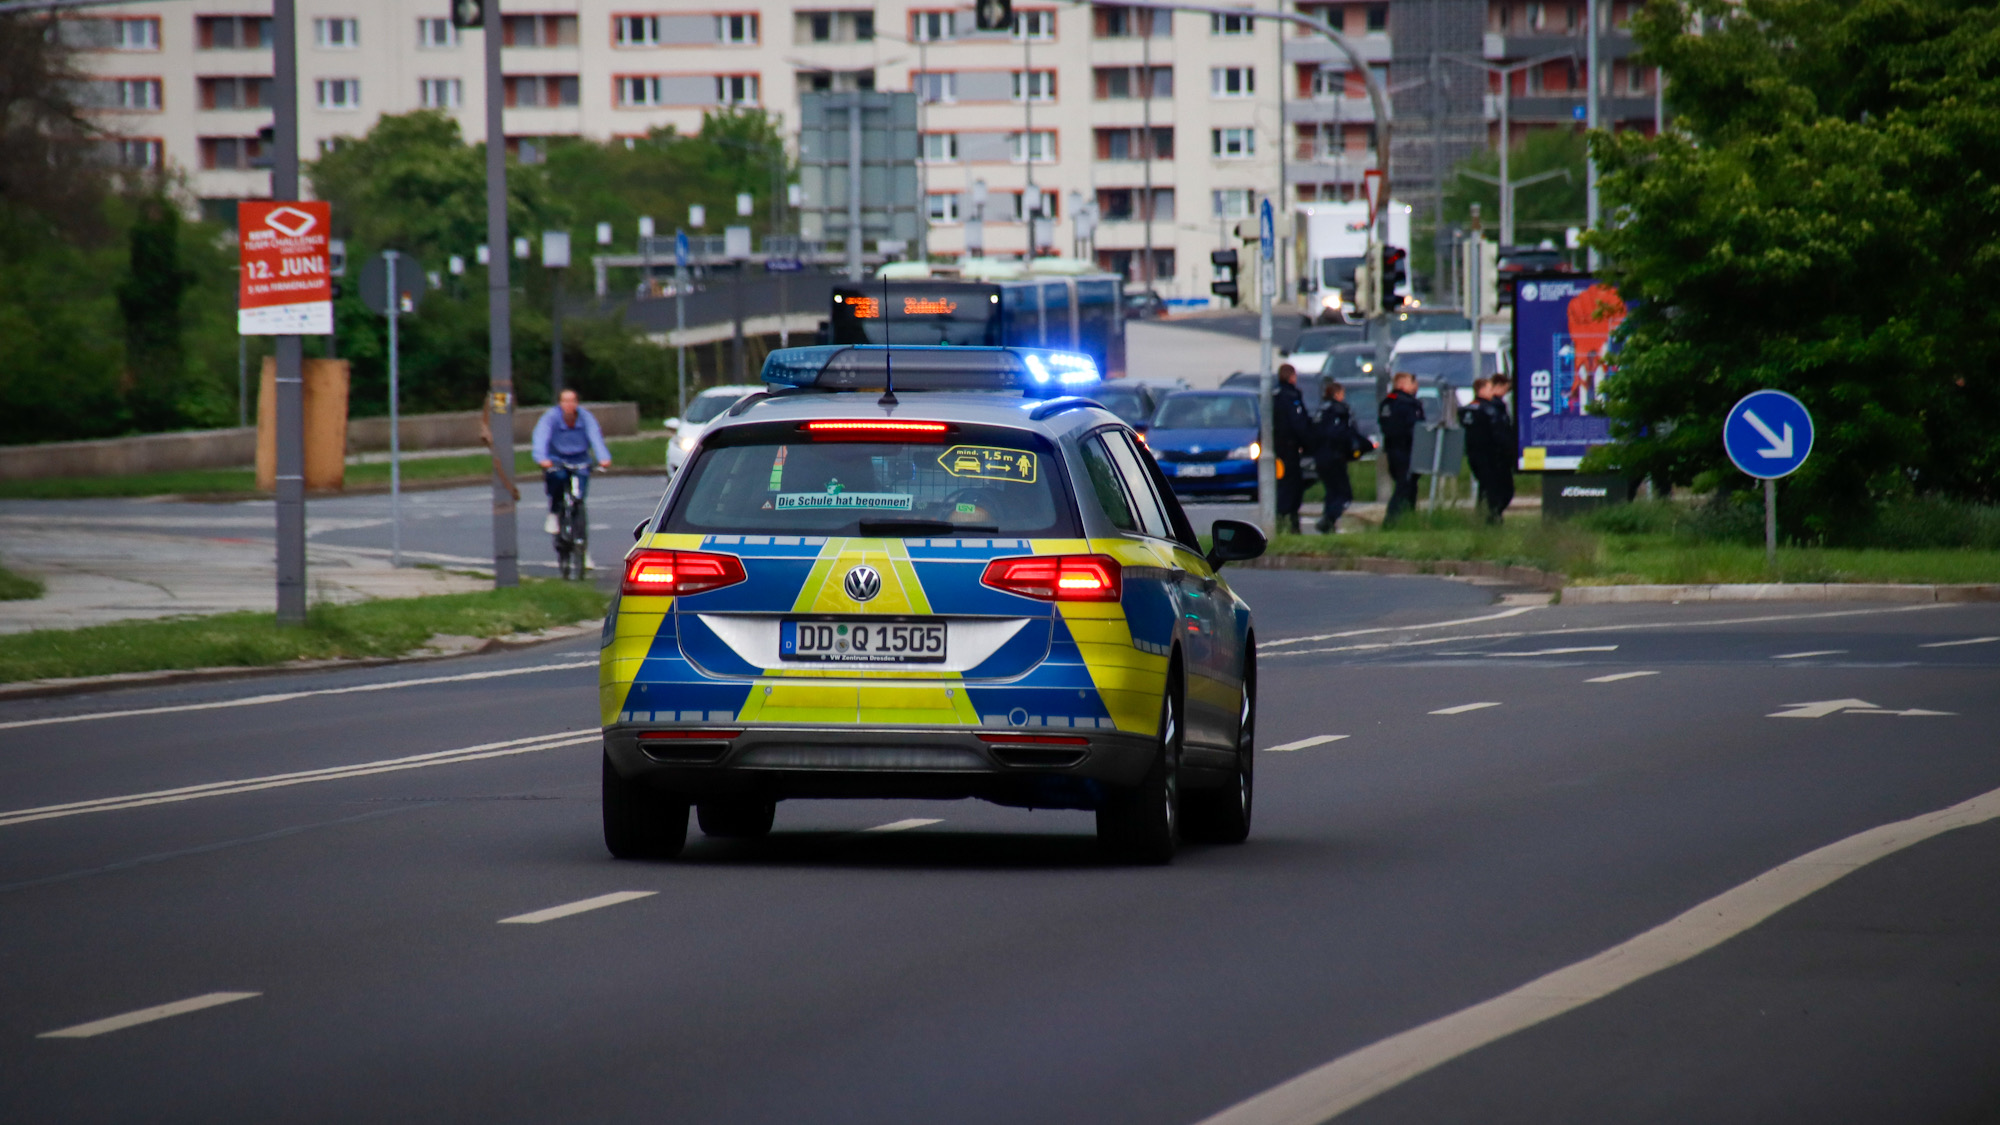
[1338, 444]
[1292, 430]
[1477, 421]
[1506, 451]
[1400, 414]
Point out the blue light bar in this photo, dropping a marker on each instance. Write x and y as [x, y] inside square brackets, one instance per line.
[843, 367]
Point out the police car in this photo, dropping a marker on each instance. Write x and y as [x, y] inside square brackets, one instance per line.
[927, 572]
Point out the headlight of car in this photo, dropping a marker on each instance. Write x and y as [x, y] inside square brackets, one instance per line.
[1246, 452]
[687, 442]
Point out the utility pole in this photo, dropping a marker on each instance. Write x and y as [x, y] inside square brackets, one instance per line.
[499, 315]
[395, 302]
[1591, 9]
[1031, 203]
[1267, 396]
[291, 405]
[1146, 134]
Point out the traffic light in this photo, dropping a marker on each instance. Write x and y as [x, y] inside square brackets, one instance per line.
[1224, 284]
[1395, 274]
[468, 14]
[993, 15]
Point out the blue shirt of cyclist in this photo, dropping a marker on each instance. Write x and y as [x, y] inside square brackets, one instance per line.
[569, 440]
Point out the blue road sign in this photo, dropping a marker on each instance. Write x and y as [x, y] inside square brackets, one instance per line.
[783, 265]
[1267, 232]
[680, 249]
[1768, 434]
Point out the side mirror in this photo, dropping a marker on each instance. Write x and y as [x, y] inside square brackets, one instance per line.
[1234, 541]
[639, 529]
[672, 423]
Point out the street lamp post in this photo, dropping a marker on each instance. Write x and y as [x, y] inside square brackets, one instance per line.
[1506, 74]
[555, 258]
[1590, 213]
[290, 414]
[499, 314]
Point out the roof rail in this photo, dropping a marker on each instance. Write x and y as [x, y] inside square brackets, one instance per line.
[1056, 406]
[747, 401]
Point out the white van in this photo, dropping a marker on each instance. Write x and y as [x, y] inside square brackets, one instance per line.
[1447, 356]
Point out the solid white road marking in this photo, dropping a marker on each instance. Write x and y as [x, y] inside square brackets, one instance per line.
[1336, 1087]
[1955, 644]
[566, 909]
[1515, 612]
[1616, 676]
[302, 777]
[1462, 708]
[147, 1015]
[903, 825]
[1305, 743]
[281, 697]
[1766, 618]
[1559, 651]
[1803, 655]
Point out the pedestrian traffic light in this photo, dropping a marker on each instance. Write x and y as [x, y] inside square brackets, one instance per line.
[1224, 285]
[468, 14]
[1394, 275]
[993, 15]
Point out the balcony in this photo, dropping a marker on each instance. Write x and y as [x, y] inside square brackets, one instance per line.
[1310, 164]
[1614, 44]
[1320, 49]
[1321, 111]
[1569, 106]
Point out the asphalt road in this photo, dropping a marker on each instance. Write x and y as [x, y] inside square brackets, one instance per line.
[345, 847]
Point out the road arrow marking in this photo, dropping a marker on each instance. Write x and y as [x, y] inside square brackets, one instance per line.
[1781, 447]
[1825, 707]
[1804, 655]
[1305, 743]
[1887, 711]
[904, 825]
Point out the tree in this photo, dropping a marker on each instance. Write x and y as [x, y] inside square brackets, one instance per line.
[1825, 220]
[149, 302]
[1541, 210]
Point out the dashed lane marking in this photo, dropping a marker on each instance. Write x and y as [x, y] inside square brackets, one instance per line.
[1505, 613]
[1616, 676]
[1334, 1088]
[1305, 743]
[581, 906]
[301, 777]
[1462, 708]
[1559, 651]
[286, 696]
[904, 825]
[1804, 655]
[147, 1015]
[1955, 644]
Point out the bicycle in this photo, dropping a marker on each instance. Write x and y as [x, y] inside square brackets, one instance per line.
[572, 518]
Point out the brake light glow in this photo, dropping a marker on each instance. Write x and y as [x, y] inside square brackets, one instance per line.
[875, 431]
[1058, 578]
[680, 573]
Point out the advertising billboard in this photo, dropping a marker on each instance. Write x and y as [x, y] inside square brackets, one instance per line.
[1565, 347]
[286, 286]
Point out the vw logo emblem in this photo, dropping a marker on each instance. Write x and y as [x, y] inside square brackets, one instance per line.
[863, 583]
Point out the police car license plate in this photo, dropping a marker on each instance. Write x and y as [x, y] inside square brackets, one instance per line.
[1188, 470]
[903, 640]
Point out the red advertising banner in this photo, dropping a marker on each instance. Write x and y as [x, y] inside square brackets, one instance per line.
[285, 288]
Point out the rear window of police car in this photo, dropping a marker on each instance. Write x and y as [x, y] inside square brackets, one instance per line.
[774, 479]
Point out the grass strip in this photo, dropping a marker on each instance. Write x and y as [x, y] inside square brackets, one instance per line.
[18, 587]
[388, 627]
[646, 453]
[1589, 556]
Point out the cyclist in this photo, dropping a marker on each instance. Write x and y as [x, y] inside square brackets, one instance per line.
[565, 440]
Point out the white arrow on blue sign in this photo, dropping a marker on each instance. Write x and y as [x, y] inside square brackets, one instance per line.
[1768, 434]
[1266, 231]
[680, 250]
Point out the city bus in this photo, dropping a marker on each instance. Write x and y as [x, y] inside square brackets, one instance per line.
[1073, 313]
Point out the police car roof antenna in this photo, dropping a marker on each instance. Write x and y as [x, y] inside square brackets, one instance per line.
[889, 353]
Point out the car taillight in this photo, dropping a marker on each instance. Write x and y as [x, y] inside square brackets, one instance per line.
[1057, 578]
[680, 573]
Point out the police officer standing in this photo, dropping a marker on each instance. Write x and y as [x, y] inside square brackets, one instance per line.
[1503, 449]
[1399, 415]
[1338, 444]
[1292, 430]
[1478, 425]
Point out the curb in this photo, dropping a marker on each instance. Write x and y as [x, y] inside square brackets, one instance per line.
[1441, 568]
[78, 685]
[1779, 592]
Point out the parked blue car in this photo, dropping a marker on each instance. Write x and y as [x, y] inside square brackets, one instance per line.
[1206, 442]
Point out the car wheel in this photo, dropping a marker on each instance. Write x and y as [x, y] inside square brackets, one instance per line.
[1222, 816]
[1142, 824]
[641, 822]
[736, 820]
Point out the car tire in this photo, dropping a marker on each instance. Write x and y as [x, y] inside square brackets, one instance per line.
[1141, 824]
[736, 820]
[641, 822]
[1222, 816]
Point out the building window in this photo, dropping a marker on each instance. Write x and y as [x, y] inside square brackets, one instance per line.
[1233, 144]
[942, 206]
[223, 153]
[1040, 85]
[1120, 82]
[736, 89]
[1233, 81]
[1635, 79]
[330, 145]
[136, 93]
[1329, 83]
[440, 93]
[551, 91]
[337, 93]
[436, 35]
[1538, 17]
[538, 31]
[1116, 205]
[737, 29]
[1378, 18]
[935, 86]
[1130, 144]
[137, 152]
[933, 27]
[1131, 23]
[228, 33]
[1219, 24]
[1234, 203]
[1041, 146]
[339, 33]
[1039, 24]
[940, 148]
[133, 35]
[234, 93]
[819, 27]
[639, 91]
[636, 31]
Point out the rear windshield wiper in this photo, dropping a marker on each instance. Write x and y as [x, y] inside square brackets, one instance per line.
[894, 528]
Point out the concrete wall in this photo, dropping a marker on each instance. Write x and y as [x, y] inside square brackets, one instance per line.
[237, 447]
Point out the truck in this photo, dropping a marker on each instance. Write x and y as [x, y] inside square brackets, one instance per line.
[1331, 239]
